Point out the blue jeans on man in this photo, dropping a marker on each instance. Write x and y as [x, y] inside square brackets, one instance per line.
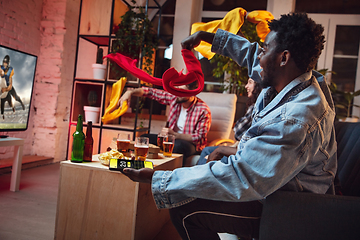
[205, 152]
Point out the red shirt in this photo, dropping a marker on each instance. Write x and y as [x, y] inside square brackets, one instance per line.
[198, 119]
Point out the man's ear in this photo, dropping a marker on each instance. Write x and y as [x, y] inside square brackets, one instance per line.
[285, 57]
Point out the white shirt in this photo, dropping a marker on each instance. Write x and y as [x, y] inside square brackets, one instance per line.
[181, 120]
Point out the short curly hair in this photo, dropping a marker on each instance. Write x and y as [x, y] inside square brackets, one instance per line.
[301, 36]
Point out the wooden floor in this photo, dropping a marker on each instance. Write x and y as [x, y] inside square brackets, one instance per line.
[28, 161]
[30, 213]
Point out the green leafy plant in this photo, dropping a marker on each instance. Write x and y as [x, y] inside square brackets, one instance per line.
[92, 98]
[343, 101]
[136, 38]
[236, 76]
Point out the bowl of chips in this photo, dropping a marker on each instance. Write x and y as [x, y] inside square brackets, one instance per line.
[106, 156]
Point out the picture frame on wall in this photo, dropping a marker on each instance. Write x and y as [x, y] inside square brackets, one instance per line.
[115, 72]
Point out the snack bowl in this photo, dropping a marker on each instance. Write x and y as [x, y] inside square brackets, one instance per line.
[105, 157]
[104, 161]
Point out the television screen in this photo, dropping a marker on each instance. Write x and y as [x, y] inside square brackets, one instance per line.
[16, 83]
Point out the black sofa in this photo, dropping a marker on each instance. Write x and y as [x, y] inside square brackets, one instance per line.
[307, 216]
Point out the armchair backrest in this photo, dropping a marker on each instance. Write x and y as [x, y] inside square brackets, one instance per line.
[222, 107]
[299, 215]
[348, 153]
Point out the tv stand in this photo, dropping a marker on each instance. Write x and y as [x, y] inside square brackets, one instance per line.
[18, 153]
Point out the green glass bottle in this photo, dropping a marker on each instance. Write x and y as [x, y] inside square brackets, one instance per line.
[77, 152]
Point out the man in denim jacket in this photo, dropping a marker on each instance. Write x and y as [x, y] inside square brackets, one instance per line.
[290, 146]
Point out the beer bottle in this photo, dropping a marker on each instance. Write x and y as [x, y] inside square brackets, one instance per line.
[89, 141]
[77, 152]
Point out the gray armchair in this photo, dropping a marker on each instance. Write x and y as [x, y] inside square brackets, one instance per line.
[222, 107]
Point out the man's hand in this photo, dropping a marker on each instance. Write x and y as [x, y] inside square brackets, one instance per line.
[194, 39]
[170, 131]
[2, 73]
[137, 92]
[220, 152]
[183, 136]
[143, 175]
[125, 97]
[191, 41]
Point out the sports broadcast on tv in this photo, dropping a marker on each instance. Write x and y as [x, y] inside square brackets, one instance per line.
[16, 83]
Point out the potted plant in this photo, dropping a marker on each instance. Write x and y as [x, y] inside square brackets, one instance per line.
[343, 103]
[136, 38]
[98, 67]
[91, 111]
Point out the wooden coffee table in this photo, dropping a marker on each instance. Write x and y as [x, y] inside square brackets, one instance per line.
[96, 203]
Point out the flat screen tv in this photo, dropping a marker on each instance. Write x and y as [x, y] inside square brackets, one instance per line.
[16, 83]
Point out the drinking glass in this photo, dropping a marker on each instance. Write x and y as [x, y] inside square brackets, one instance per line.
[160, 139]
[141, 148]
[123, 142]
[168, 145]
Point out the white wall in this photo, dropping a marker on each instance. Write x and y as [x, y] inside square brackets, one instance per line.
[187, 12]
[279, 7]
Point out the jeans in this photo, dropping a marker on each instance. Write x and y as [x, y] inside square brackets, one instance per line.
[203, 219]
[205, 152]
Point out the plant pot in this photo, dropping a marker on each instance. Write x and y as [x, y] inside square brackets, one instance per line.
[99, 71]
[92, 114]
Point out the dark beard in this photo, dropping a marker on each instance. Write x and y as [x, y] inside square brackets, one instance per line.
[267, 81]
[269, 78]
[182, 100]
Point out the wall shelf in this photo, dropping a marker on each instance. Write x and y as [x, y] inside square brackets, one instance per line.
[97, 18]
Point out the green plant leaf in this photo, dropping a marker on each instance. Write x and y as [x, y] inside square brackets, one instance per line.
[357, 93]
[348, 96]
[136, 34]
[340, 106]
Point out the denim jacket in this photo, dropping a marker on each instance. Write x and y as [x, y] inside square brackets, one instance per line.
[291, 144]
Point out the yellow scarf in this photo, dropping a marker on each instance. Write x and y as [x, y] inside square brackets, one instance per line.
[111, 112]
[232, 22]
[260, 18]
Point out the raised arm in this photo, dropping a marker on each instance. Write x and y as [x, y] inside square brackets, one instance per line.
[137, 92]
[194, 40]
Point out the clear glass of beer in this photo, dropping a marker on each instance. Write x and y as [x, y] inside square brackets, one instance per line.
[141, 148]
[168, 145]
[123, 142]
[160, 139]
